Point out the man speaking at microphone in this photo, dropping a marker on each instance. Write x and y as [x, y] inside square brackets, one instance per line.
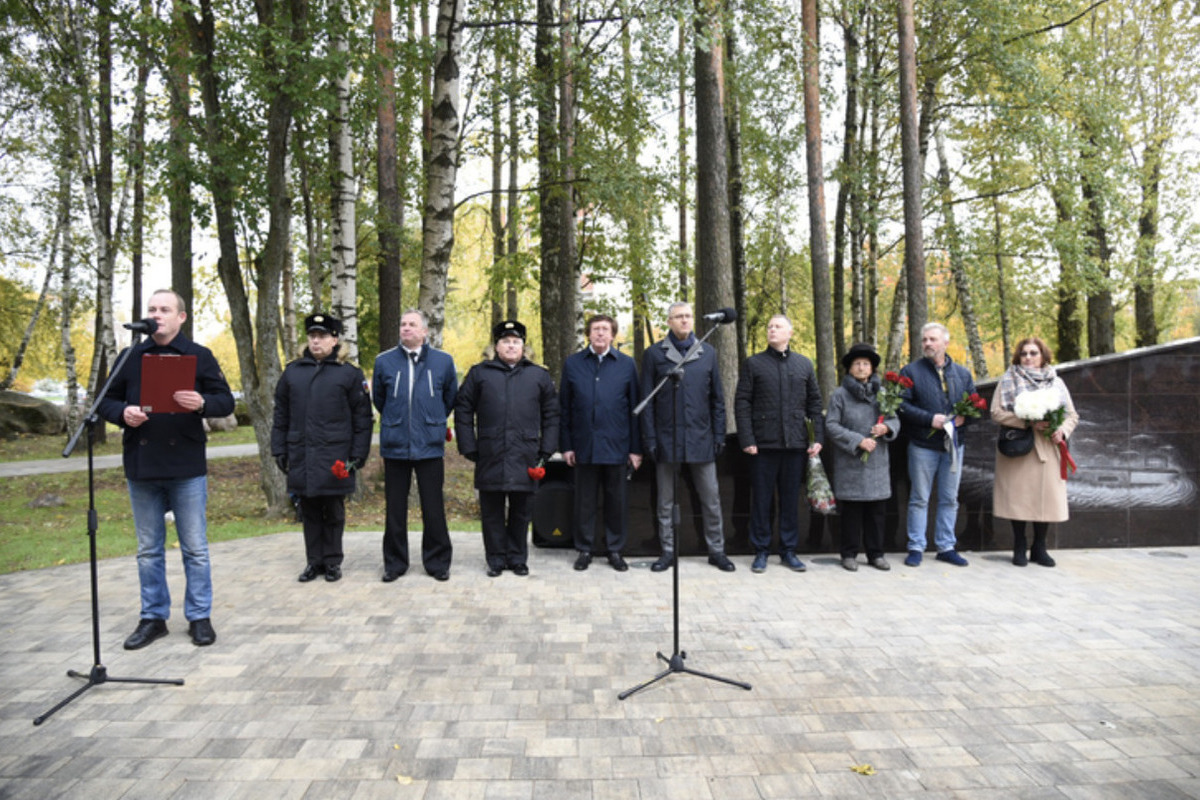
[166, 470]
[697, 438]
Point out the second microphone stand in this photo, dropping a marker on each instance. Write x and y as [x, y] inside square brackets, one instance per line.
[675, 661]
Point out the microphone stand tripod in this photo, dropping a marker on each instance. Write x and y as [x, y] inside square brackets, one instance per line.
[675, 661]
[98, 674]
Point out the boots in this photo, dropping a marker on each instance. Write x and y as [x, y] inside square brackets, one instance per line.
[1038, 554]
[1019, 545]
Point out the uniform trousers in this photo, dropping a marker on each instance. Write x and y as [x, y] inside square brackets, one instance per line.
[436, 550]
[505, 536]
[324, 521]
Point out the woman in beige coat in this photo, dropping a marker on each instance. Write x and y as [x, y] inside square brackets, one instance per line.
[1030, 487]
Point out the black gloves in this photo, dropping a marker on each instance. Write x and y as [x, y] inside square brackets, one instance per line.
[718, 448]
[282, 463]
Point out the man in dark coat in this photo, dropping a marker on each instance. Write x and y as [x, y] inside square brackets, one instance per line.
[777, 389]
[506, 421]
[414, 386]
[700, 437]
[926, 417]
[165, 469]
[599, 437]
[321, 437]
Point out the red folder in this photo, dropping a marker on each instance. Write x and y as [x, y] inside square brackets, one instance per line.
[162, 376]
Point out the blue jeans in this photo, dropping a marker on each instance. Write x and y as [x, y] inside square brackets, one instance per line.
[151, 500]
[924, 465]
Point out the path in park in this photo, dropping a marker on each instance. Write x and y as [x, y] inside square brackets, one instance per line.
[986, 682]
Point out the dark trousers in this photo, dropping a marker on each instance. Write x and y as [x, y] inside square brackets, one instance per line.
[435, 538]
[505, 538]
[590, 480]
[862, 524]
[776, 472]
[324, 520]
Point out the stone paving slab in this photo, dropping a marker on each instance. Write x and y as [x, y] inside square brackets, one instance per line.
[986, 682]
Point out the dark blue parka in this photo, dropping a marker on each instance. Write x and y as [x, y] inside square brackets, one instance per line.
[926, 398]
[166, 446]
[505, 420]
[702, 425]
[417, 430]
[596, 398]
[322, 415]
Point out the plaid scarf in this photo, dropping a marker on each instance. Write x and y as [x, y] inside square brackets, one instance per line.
[1022, 379]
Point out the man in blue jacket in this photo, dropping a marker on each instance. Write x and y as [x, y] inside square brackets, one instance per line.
[414, 390]
[696, 439]
[599, 436]
[927, 416]
[166, 470]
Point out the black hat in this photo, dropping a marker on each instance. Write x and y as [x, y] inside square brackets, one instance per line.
[860, 350]
[510, 327]
[323, 322]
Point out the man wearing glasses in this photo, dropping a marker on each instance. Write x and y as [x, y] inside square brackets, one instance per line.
[696, 438]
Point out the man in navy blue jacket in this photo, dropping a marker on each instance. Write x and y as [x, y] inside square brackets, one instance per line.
[598, 436]
[166, 470]
[927, 416]
[414, 390]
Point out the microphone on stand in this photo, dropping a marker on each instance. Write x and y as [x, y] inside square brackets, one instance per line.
[146, 326]
[722, 317]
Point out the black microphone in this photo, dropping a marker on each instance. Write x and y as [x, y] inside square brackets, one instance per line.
[146, 326]
[721, 317]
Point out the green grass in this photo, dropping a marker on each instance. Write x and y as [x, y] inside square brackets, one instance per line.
[36, 448]
[37, 537]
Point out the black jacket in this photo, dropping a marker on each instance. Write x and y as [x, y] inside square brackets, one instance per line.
[166, 446]
[322, 415]
[505, 420]
[702, 427]
[775, 392]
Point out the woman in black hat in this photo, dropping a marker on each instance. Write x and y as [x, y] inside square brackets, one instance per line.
[859, 435]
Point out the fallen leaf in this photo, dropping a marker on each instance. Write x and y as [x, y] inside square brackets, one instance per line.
[863, 769]
[404, 780]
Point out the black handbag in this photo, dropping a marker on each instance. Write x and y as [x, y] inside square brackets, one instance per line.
[1013, 442]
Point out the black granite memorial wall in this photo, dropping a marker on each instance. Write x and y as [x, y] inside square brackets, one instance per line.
[1137, 447]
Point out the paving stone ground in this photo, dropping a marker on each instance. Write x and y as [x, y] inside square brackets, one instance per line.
[1081, 681]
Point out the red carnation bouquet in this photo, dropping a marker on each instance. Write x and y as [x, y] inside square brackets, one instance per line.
[971, 405]
[342, 470]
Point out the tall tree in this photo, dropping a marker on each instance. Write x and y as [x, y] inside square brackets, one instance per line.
[818, 247]
[714, 267]
[442, 169]
[389, 221]
[344, 191]
[910, 155]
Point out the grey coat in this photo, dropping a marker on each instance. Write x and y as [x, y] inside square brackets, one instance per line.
[852, 412]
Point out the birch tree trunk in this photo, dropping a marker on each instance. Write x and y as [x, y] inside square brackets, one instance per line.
[344, 195]
[441, 171]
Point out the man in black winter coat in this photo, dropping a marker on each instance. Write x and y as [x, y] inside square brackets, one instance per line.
[506, 421]
[696, 439]
[777, 389]
[166, 469]
[321, 437]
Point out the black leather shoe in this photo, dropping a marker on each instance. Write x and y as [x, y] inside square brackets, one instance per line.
[202, 633]
[147, 631]
[664, 561]
[444, 575]
[520, 569]
[390, 576]
[333, 574]
[582, 562]
[494, 572]
[617, 562]
[721, 562]
[310, 573]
